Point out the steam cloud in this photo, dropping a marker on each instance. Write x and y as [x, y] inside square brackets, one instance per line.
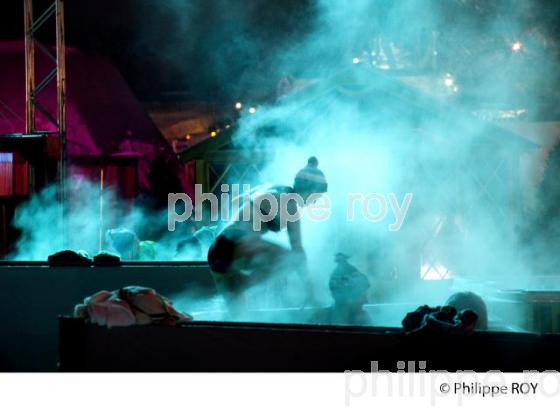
[363, 113]
[361, 70]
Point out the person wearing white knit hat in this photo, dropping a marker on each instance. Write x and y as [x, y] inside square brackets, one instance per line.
[240, 257]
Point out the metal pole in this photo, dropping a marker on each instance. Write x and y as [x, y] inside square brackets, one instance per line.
[29, 67]
[101, 189]
[61, 65]
[61, 109]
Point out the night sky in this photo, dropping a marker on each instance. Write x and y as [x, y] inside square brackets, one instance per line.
[200, 55]
[222, 50]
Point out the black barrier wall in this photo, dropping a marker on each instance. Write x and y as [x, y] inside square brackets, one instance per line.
[251, 347]
[32, 296]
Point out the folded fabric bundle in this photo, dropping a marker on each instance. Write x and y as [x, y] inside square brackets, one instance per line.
[69, 257]
[131, 305]
[105, 258]
[440, 319]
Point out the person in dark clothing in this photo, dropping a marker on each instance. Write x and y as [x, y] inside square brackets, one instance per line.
[349, 289]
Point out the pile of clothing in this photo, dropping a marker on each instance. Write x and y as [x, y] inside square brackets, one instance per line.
[440, 319]
[131, 305]
[71, 257]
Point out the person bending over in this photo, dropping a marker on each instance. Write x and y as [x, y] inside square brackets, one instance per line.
[241, 257]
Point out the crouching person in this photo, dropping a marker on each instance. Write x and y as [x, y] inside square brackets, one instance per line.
[241, 258]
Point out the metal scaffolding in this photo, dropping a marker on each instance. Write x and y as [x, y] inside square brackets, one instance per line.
[32, 89]
[34, 86]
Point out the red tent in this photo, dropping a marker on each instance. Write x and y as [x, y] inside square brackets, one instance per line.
[105, 122]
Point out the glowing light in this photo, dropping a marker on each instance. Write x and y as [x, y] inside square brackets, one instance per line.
[516, 46]
[355, 60]
[238, 105]
[188, 137]
[435, 272]
[252, 110]
[492, 115]
[509, 114]
[213, 134]
[448, 80]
